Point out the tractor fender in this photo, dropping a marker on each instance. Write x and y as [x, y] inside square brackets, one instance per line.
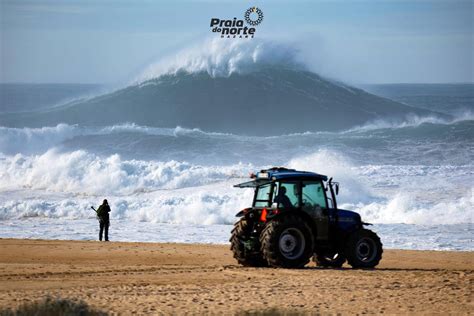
[305, 216]
[243, 212]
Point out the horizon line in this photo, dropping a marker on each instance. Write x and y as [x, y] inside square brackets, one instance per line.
[355, 84]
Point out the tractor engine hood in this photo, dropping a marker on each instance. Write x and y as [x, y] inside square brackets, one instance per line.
[348, 216]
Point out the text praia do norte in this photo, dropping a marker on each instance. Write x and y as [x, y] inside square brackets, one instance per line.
[231, 27]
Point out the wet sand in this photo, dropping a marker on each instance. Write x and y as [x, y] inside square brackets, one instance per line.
[152, 278]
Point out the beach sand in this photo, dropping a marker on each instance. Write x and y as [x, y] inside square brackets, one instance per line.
[152, 278]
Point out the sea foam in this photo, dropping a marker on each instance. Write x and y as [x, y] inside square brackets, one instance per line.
[64, 185]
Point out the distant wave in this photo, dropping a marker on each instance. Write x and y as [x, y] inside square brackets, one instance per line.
[29, 140]
[32, 140]
[162, 131]
[411, 121]
[35, 140]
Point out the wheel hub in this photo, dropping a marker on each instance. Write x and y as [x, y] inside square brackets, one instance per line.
[287, 243]
[366, 249]
[292, 243]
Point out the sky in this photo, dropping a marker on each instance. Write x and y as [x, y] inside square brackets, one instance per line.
[379, 41]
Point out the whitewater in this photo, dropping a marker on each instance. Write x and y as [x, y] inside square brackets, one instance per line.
[412, 178]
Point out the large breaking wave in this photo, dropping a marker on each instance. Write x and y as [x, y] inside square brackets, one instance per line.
[243, 87]
[65, 185]
[80, 172]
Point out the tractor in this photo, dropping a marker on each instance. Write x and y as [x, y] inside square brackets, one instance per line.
[294, 217]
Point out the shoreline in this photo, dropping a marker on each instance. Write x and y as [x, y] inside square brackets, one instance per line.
[176, 278]
[453, 237]
[205, 244]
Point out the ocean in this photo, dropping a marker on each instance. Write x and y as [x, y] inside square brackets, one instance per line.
[412, 177]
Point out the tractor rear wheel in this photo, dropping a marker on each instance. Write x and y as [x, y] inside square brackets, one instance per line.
[329, 259]
[363, 249]
[287, 242]
[241, 245]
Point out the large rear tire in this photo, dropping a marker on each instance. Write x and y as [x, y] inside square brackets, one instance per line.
[363, 249]
[329, 259]
[239, 241]
[287, 242]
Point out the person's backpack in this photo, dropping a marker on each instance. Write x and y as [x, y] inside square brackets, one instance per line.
[100, 211]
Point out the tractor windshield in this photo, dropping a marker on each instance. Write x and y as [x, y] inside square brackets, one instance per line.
[285, 194]
[262, 195]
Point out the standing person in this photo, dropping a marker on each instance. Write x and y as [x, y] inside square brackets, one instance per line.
[104, 220]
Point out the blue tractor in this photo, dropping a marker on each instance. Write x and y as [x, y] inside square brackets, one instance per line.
[294, 217]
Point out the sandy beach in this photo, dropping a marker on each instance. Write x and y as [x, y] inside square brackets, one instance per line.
[152, 278]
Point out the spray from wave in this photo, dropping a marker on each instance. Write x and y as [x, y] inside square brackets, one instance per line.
[222, 58]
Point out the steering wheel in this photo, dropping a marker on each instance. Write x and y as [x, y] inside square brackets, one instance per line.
[306, 196]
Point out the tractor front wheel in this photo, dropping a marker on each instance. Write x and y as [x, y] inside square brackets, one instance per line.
[363, 249]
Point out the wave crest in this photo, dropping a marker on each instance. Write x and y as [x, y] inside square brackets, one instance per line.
[411, 120]
[222, 58]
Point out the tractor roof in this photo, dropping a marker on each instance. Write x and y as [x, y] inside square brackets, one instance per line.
[279, 173]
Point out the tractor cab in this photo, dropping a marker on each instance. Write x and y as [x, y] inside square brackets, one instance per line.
[279, 190]
[302, 188]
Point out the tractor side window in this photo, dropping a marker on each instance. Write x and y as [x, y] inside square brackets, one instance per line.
[291, 192]
[313, 194]
[262, 198]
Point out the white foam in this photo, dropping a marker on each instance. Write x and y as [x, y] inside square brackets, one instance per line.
[340, 168]
[56, 184]
[389, 194]
[80, 172]
[211, 204]
[403, 208]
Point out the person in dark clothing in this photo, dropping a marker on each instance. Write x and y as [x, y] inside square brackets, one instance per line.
[104, 220]
[282, 199]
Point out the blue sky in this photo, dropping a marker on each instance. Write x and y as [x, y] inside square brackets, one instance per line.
[354, 41]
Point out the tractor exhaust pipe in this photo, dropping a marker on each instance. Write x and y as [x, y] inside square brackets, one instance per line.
[333, 195]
